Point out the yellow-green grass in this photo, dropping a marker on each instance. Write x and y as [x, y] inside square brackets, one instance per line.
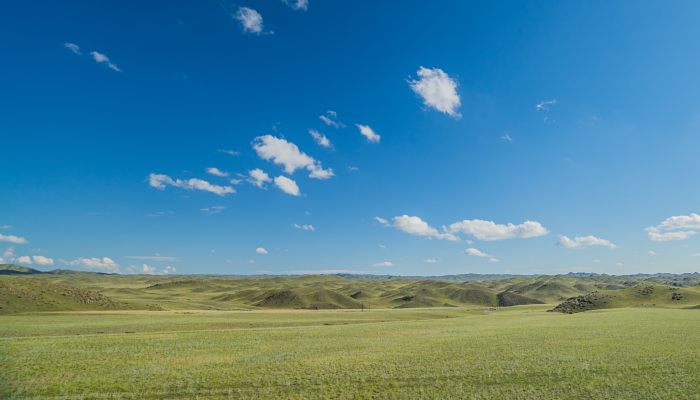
[516, 353]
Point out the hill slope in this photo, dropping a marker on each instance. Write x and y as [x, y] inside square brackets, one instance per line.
[20, 294]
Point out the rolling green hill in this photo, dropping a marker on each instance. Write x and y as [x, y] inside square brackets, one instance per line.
[56, 291]
[13, 269]
[641, 295]
[20, 294]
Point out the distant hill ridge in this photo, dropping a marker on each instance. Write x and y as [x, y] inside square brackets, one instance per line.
[24, 289]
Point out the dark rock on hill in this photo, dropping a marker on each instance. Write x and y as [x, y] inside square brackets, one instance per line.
[590, 301]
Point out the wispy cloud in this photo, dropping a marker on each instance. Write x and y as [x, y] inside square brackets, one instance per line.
[229, 152]
[507, 138]
[160, 182]
[155, 257]
[320, 138]
[330, 118]
[72, 47]
[384, 264]
[438, 90]
[382, 221]
[478, 253]
[580, 242]
[302, 5]
[250, 19]
[103, 59]
[261, 250]
[545, 105]
[369, 133]
[212, 210]
[160, 214]
[304, 227]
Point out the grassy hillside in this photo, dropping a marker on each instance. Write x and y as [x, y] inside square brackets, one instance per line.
[19, 294]
[13, 269]
[641, 295]
[68, 291]
[439, 353]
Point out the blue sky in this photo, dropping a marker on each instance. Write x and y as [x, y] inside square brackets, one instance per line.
[517, 137]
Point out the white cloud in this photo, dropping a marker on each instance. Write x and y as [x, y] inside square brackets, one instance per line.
[250, 19]
[319, 173]
[677, 227]
[5, 226]
[217, 172]
[381, 220]
[691, 221]
[261, 250]
[212, 210]
[330, 118]
[653, 253]
[416, 226]
[72, 47]
[103, 264]
[544, 105]
[369, 133]
[507, 138]
[658, 236]
[431, 261]
[304, 227]
[41, 260]
[437, 90]
[478, 253]
[8, 256]
[151, 270]
[160, 214]
[287, 185]
[148, 270]
[384, 264]
[13, 239]
[282, 152]
[489, 230]
[258, 177]
[287, 154]
[155, 257]
[298, 4]
[24, 260]
[320, 138]
[101, 58]
[580, 242]
[160, 182]
[229, 152]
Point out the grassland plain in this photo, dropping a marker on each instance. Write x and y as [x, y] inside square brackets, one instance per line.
[519, 352]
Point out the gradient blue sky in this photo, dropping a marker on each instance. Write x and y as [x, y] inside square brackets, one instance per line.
[613, 153]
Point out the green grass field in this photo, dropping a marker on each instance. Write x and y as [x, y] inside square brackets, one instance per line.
[519, 352]
[72, 335]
